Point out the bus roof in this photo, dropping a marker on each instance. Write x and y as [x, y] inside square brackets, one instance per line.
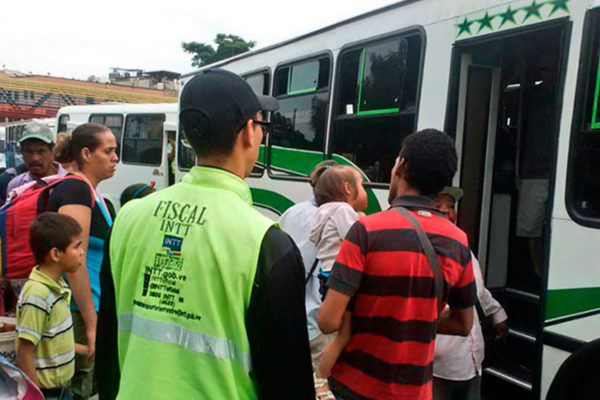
[120, 108]
[399, 4]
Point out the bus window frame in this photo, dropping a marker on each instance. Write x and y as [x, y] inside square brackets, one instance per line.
[312, 56]
[180, 137]
[582, 91]
[58, 123]
[404, 32]
[268, 71]
[162, 161]
[123, 117]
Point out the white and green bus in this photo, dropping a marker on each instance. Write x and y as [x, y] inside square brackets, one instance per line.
[515, 83]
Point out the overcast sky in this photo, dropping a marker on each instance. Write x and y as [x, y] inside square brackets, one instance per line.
[76, 39]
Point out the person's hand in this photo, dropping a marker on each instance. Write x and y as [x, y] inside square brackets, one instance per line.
[361, 214]
[501, 332]
[91, 345]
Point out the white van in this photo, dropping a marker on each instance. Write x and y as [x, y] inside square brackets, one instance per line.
[142, 132]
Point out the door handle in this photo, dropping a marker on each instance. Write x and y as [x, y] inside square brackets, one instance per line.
[157, 172]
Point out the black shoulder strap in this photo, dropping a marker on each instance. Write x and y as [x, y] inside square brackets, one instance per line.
[429, 252]
[312, 271]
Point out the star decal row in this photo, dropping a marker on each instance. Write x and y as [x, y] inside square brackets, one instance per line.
[509, 16]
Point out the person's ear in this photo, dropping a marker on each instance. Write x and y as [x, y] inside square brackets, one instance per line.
[402, 167]
[348, 189]
[55, 255]
[246, 134]
[86, 154]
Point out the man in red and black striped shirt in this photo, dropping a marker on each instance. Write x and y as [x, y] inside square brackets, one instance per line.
[383, 278]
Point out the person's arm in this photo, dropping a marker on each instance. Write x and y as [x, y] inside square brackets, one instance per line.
[335, 348]
[345, 279]
[80, 279]
[25, 358]
[32, 321]
[107, 360]
[489, 305]
[458, 321]
[331, 313]
[461, 298]
[276, 322]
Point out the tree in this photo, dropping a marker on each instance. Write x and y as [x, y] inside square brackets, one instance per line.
[227, 46]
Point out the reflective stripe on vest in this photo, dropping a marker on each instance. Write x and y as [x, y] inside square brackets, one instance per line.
[178, 335]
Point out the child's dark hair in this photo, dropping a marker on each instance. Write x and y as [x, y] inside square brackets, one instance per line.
[136, 191]
[330, 186]
[430, 159]
[49, 230]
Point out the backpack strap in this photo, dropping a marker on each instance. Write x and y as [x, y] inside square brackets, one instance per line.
[48, 189]
[312, 271]
[434, 263]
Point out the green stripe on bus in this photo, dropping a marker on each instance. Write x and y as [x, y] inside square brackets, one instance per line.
[271, 200]
[302, 162]
[563, 302]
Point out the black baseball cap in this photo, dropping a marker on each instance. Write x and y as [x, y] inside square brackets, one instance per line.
[217, 102]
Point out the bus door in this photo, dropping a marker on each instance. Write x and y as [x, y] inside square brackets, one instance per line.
[170, 149]
[143, 152]
[506, 134]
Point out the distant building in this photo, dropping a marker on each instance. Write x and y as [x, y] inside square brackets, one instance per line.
[158, 80]
[25, 96]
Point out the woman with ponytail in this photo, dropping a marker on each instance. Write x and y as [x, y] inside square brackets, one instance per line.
[91, 149]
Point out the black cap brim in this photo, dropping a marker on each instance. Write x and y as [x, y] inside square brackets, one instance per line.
[268, 103]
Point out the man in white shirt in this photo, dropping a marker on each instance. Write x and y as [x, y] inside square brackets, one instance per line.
[297, 222]
[457, 361]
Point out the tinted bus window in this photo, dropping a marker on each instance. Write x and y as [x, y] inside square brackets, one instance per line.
[259, 82]
[377, 87]
[62, 123]
[186, 157]
[583, 196]
[143, 139]
[112, 121]
[298, 139]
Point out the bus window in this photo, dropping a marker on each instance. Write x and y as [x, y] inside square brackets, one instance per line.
[583, 195]
[143, 139]
[186, 157]
[62, 123]
[298, 139]
[112, 121]
[259, 82]
[376, 105]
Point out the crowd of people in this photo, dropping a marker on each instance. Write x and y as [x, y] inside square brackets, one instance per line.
[190, 293]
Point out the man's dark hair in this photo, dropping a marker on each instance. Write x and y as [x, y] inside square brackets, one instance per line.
[49, 230]
[430, 159]
[205, 139]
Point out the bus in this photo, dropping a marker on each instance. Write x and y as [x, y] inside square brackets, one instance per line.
[144, 133]
[516, 84]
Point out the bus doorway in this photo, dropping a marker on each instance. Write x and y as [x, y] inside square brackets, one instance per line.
[505, 120]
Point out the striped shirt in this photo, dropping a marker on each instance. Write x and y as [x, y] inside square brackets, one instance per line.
[44, 319]
[382, 266]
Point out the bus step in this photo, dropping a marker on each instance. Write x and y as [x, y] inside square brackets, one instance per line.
[522, 295]
[522, 379]
[518, 334]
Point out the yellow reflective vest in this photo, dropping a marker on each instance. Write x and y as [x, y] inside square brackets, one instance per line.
[183, 262]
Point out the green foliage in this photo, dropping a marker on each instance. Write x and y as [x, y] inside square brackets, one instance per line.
[227, 46]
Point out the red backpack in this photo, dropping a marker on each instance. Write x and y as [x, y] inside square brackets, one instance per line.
[15, 219]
